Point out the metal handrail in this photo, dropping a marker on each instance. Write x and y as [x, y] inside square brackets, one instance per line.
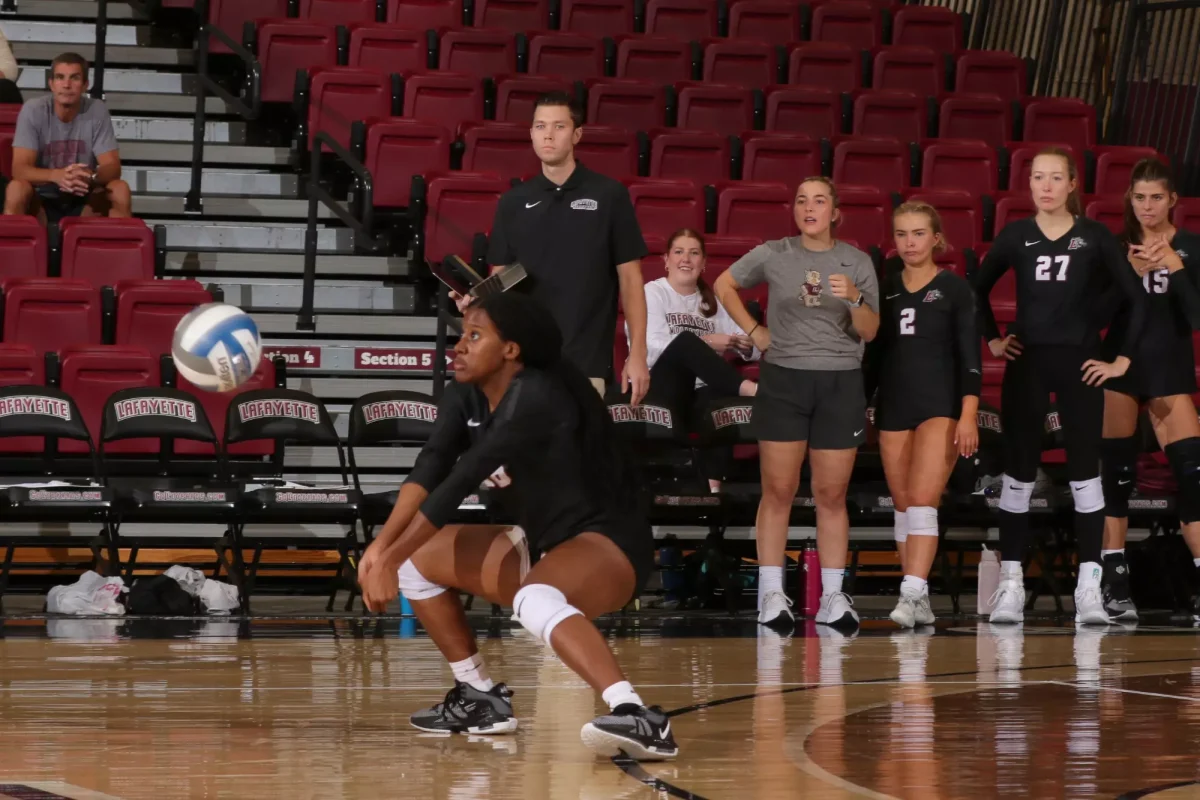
[101, 44]
[205, 85]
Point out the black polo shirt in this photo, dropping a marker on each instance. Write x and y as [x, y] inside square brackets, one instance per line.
[570, 239]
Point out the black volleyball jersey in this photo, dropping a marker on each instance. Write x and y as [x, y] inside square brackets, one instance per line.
[1061, 284]
[1173, 302]
[929, 340]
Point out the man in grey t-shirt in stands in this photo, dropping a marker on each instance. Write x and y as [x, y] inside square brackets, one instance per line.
[65, 161]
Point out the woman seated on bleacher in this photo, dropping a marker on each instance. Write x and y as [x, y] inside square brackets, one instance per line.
[688, 336]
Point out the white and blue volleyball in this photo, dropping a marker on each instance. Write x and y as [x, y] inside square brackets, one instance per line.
[217, 347]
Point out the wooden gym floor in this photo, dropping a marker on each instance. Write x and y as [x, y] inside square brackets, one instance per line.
[317, 708]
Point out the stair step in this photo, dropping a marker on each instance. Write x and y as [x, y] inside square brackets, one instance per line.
[361, 358]
[390, 326]
[195, 234]
[218, 263]
[20, 30]
[181, 153]
[240, 207]
[120, 80]
[264, 293]
[152, 103]
[76, 9]
[113, 54]
[157, 129]
[260, 185]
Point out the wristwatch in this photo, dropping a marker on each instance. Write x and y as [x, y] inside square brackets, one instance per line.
[858, 302]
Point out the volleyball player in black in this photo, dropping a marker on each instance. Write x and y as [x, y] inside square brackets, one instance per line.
[929, 381]
[1064, 264]
[519, 416]
[1162, 378]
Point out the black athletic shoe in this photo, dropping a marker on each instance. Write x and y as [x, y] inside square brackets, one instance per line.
[640, 732]
[1114, 584]
[468, 710]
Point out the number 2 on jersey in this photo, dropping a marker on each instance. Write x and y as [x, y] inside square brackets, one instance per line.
[907, 316]
[1043, 271]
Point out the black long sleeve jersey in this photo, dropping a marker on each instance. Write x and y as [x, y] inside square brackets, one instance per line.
[1173, 302]
[1060, 284]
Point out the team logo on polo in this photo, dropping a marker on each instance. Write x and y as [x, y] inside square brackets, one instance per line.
[1077, 243]
[290, 409]
[36, 405]
[653, 415]
[584, 204]
[932, 295]
[399, 409]
[810, 292]
[733, 415]
[155, 407]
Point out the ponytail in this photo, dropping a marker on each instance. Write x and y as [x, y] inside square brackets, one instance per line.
[708, 298]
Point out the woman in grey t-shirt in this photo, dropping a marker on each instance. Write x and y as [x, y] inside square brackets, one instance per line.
[822, 309]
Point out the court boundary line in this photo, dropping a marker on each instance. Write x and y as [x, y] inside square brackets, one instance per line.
[1100, 687]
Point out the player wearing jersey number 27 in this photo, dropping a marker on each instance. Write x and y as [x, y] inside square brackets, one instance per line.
[1060, 259]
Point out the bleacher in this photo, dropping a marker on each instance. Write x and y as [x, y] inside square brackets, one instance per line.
[414, 116]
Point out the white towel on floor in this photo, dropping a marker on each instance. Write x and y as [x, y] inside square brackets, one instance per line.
[93, 595]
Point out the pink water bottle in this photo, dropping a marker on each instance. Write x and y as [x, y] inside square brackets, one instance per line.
[811, 564]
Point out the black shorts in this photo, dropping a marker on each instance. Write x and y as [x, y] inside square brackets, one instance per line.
[827, 409]
[1163, 374]
[902, 408]
[58, 207]
[634, 537]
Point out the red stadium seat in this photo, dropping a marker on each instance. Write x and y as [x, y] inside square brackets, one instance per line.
[1114, 166]
[695, 155]
[997, 72]
[851, 22]
[654, 58]
[760, 211]
[498, 147]
[597, 17]
[216, 406]
[475, 51]
[8, 118]
[1021, 161]
[91, 373]
[740, 62]
[960, 165]
[1187, 216]
[341, 95]
[567, 56]
[1012, 207]
[22, 248]
[1108, 210]
[398, 148]
[962, 216]
[789, 157]
[683, 19]
[975, 116]
[636, 105]
[865, 161]
[831, 65]
[51, 313]
[388, 48]
[936, 28]
[664, 206]
[724, 252]
[715, 107]
[811, 110]
[909, 69]
[609, 151]
[21, 365]
[1003, 298]
[103, 250]
[286, 45]
[902, 115]
[232, 15]
[445, 97]
[339, 12]
[6, 155]
[423, 15]
[1059, 120]
[516, 94]
[512, 15]
[866, 215]
[459, 205]
[148, 311]
[774, 21]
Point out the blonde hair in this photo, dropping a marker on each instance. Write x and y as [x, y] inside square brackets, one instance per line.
[935, 221]
[833, 198]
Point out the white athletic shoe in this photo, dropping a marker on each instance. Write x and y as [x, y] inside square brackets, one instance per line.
[1008, 603]
[776, 610]
[837, 609]
[912, 610]
[1089, 606]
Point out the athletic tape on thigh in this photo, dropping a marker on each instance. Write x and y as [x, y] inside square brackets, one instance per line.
[1118, 470]
[540, 607]
[900, 525]
[414, 585]
[1088, 495]
[521, 545]
[1014, 497]
[1184, 457]
[922, 521]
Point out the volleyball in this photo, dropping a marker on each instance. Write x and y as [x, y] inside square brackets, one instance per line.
[216, 347]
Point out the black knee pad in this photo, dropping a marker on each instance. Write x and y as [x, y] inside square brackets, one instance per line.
[1184, 457]
[1118, 471]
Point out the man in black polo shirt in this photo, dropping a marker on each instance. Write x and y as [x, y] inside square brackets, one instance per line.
[575, 233]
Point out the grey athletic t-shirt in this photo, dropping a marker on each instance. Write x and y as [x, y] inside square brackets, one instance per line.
[60, 144]
[810, 328]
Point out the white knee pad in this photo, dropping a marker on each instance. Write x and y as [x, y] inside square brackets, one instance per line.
[416, 586]
[900, 528]
[922, 521]
[1014, 497]
[1088, 495]
[540, 607]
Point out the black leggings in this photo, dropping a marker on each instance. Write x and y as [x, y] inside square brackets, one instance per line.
[673, 381]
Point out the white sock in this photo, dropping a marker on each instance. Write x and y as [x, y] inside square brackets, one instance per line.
[831, 581]
[900, 526]
[620, 693]
[1106, 553]
[1011, 569]
[1089, 574]
[473, 671]
[913, 585]
[1196, 561]
[770, 579]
